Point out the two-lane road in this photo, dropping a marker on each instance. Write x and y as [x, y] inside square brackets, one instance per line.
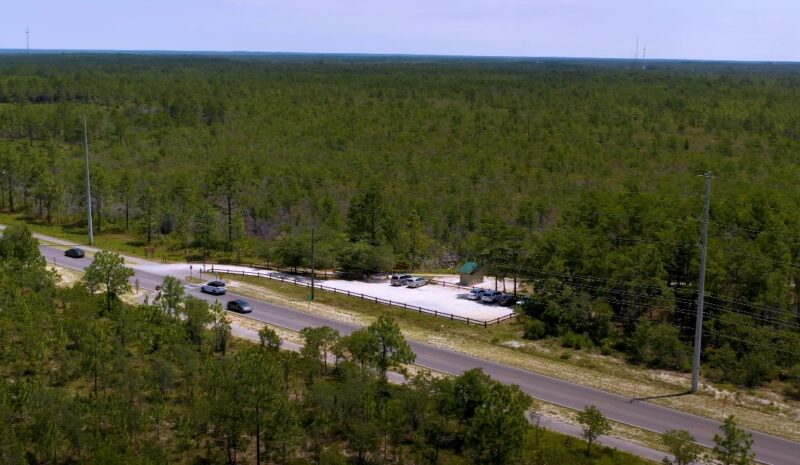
[769, 449]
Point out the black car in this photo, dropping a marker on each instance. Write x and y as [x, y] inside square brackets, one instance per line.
[75, 253]
[239, 306]
[506, 300]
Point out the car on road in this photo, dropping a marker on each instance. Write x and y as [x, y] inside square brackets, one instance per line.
[239, 306]
[475, 294]
[490, 297]
[416, 282]
[214, 287]
[75, 253]
[401, 280]
[506, 300]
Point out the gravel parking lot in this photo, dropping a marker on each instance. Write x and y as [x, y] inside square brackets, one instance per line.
[433, 297]
[443, 299]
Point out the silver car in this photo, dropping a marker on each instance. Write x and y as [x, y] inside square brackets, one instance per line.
[490, 297]
[416, 282]
[475, 294]
[400, 280]
[214, 287]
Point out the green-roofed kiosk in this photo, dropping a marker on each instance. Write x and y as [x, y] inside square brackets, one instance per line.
[471, 273]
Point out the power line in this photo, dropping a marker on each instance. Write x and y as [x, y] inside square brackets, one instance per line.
[771, 332]
[748, 303]
[647, 296]
[765, 207]
[766, 346]
[757, 231]
[756, 257]
[764, 321]
[674, 301]
[531, 273]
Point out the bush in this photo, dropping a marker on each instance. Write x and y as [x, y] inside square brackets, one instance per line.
[667, 351]
[751, 370]
[534, 329]
[658, 346]
[756, 368]
[722, 363]
[607, 348]
[576, 341]
[793, 383]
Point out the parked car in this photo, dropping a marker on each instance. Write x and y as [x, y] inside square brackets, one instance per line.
[475, 294]
[239, 306]
[214, 287]
[490, 297]
[75, 253]
[506, 300]
[416, 282]
[400, 280]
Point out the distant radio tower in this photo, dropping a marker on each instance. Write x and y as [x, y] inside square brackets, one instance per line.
[27, 40]
[636, 55]
[644, 57]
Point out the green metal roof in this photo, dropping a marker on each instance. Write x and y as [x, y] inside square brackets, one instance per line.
[468, 268]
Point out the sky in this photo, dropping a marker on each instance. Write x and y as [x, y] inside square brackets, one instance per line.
[763, 30]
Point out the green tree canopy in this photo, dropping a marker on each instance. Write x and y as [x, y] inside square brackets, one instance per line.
[108, 274]
[594, 425]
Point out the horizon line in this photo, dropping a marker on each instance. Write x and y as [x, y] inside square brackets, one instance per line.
[47, 51]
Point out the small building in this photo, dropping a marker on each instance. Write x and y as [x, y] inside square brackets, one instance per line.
[471, 274]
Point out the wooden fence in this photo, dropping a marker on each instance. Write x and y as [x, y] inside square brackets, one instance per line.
[301, 282]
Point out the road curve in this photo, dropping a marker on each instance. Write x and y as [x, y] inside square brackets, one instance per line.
[769, 449]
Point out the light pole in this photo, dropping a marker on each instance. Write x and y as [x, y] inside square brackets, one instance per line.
[88, 183]
[313, 233]
[698, 324]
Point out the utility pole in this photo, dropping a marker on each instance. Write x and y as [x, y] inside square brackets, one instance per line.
[644, 57]
[313, 231]
[88, 183]
[698, 324]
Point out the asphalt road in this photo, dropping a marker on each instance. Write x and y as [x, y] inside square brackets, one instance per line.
[769, 449]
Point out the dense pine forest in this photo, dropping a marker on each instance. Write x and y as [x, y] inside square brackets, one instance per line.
[580, 178]
[86, 380]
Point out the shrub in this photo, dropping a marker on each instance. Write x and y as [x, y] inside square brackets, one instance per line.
[576, 341]
[658, 346]
[793, 383]
[534, 329]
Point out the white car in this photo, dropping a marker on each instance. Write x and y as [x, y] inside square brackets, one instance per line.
[416, 282]
[475, 294]
[214, 287]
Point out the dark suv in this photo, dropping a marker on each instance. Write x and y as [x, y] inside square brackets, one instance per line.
[75, 253]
